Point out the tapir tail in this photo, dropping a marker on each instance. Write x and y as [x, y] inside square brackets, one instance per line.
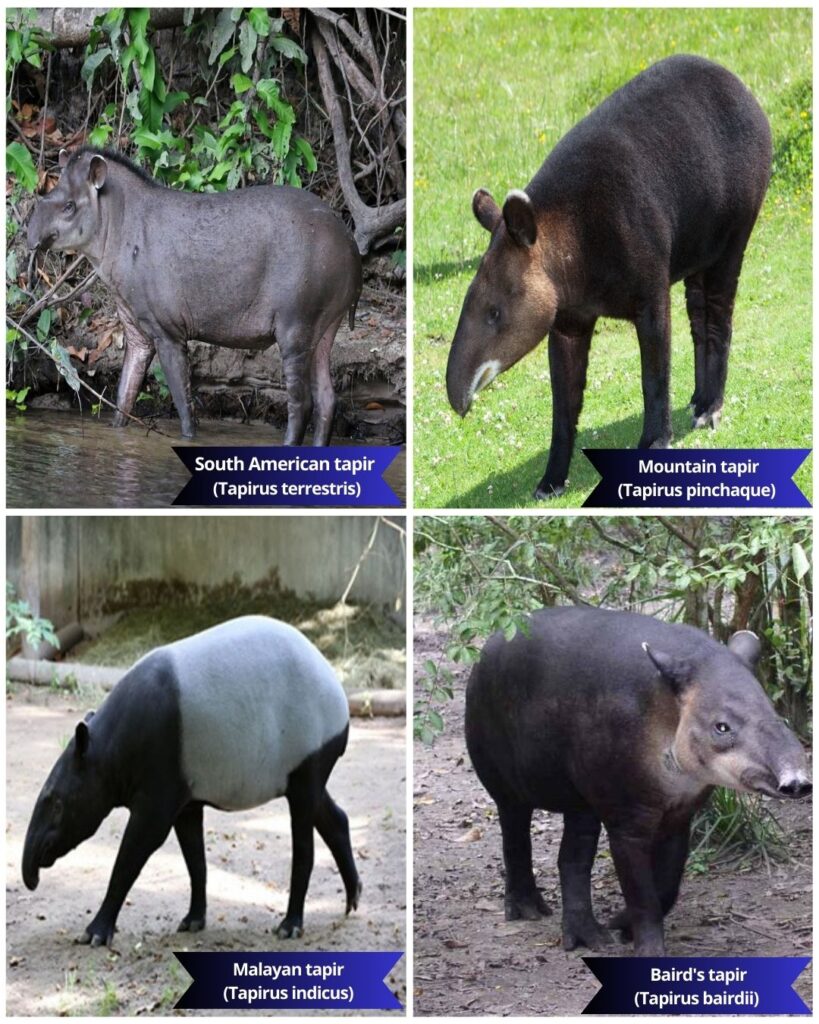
[352, 313]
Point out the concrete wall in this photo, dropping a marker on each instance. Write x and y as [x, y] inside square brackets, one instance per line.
[68, 568]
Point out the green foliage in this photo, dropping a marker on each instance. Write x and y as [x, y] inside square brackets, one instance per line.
[735, 829]
[256, 137]
[21, 620]
[24, 42]
[17, 399]
[20, 164]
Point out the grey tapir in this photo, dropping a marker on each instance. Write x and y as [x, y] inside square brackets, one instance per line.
[617, 718]
[231, 717]
[660, 183]
[241, 269]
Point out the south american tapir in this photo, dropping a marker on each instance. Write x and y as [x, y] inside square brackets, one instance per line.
[231, 717]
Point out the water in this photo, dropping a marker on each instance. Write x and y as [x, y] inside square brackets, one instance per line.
[67, 460]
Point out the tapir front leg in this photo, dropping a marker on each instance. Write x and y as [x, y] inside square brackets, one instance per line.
[147, 830]
[189, 831]
[139, 351]
[632, 856]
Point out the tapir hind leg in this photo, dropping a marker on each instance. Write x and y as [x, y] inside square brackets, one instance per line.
[302, 804]
[297, 342]
[522, 897]
[654, 334]
[334, 828]
[695, 306]
[189, 831]
[581, 832]
[146, 831]
[321, 385]
[173, 358]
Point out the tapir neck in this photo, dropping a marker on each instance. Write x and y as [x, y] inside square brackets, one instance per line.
[122, 192]
[559, 253]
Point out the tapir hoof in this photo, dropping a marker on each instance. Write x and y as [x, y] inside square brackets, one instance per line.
[96, 938]
[709, 418]
[525, 908]
[584, 932]
[290, 929]
[621, 923]
[191, 924]
[544, 491]
[352, 899]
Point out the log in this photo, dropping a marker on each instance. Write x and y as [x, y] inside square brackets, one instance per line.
[71, 26]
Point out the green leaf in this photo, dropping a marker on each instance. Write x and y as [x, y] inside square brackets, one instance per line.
[44, 324]
[259, 19]
[132, 106]
[187, 17]
[99, 136]
[151, 109]
[222, 34]
[220, 170]
[801, 562]
[20, 164]
[240, 83]
[12, 335]
[113, 19]
[226, 56]
[138, 18]
[247, 44]
[306, 150]
[147, 139]
[263, 122]
[173, 100]
[14, 46]
[148, 71]
[11, 266]
[288, 48]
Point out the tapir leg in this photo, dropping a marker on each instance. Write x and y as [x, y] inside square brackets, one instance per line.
[321, 385]
[302, 816]
[668, 859]
[296, 344]
[568, 361]
[146, 831]
[189, 831]
[522, 897]
[139, 351]
[173, 358]
[695, 306]
[632, 857]
[654, 334]
[581, 832]
[333, 827]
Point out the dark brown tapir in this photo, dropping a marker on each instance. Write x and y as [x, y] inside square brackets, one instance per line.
[621, 719]
[241, 269]
[660, 183]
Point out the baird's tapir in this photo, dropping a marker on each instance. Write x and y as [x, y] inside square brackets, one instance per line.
[662, 182]
[231, 717]
[614, 718]
[243, 269]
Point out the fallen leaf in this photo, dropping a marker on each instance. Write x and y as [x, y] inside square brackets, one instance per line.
[472, 836]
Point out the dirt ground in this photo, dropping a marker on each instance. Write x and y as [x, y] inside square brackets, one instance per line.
[469, 960]
[248, 856]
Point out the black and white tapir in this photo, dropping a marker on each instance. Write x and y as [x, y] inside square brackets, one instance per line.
[231, 717]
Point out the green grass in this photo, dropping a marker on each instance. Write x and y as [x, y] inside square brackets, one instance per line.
[494, 91]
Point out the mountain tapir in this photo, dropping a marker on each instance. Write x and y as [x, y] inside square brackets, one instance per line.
[241, 269]
[231, 717]
[662, 182]
[614, 718]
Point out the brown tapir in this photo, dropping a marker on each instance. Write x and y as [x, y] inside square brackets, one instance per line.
[660, 183]
[620, 719]
[241, 269]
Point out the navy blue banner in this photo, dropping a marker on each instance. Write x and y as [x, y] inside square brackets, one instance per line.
[696, 985]
[301, 477]
[686, 478]
[288, 981]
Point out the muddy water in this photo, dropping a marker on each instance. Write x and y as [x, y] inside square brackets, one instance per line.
[64, 460]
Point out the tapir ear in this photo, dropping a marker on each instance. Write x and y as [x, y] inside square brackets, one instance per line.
[63, 158]
[746, 646]
[519, 215]
[81, 739]
[677, 671]
[97, 170]
[486, 210]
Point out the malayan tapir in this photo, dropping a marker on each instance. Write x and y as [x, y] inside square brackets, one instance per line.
[621, 719]
[662, 182]
[241, 269]
[231, 717]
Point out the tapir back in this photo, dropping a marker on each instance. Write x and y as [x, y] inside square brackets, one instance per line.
[256, 699]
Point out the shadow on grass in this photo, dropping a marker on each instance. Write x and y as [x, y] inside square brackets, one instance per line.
[432, 272]
[520, 481]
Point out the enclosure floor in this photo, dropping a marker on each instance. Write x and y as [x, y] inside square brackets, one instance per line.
[248, 857]
[64, 460]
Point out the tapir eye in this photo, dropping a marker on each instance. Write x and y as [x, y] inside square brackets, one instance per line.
[493, 314]
[69, 207]
[723, 728]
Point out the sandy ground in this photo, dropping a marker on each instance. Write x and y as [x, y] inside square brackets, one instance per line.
[248, 857]
[470, 961]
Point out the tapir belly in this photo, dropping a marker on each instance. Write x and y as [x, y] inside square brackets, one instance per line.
[256, 701]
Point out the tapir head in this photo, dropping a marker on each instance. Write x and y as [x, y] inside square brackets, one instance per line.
[510, 305]
[729, 733]
[70, 807]
[69, 216]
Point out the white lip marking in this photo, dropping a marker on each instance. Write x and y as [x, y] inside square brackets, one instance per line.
[484, 375]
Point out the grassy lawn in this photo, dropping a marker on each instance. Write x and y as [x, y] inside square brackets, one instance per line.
[494, 91]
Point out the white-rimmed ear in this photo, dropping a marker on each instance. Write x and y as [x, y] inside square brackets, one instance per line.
[676, 671]
[63, 158]
[97, 170]
[486, 210]
[519, 217]
[746, 646]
